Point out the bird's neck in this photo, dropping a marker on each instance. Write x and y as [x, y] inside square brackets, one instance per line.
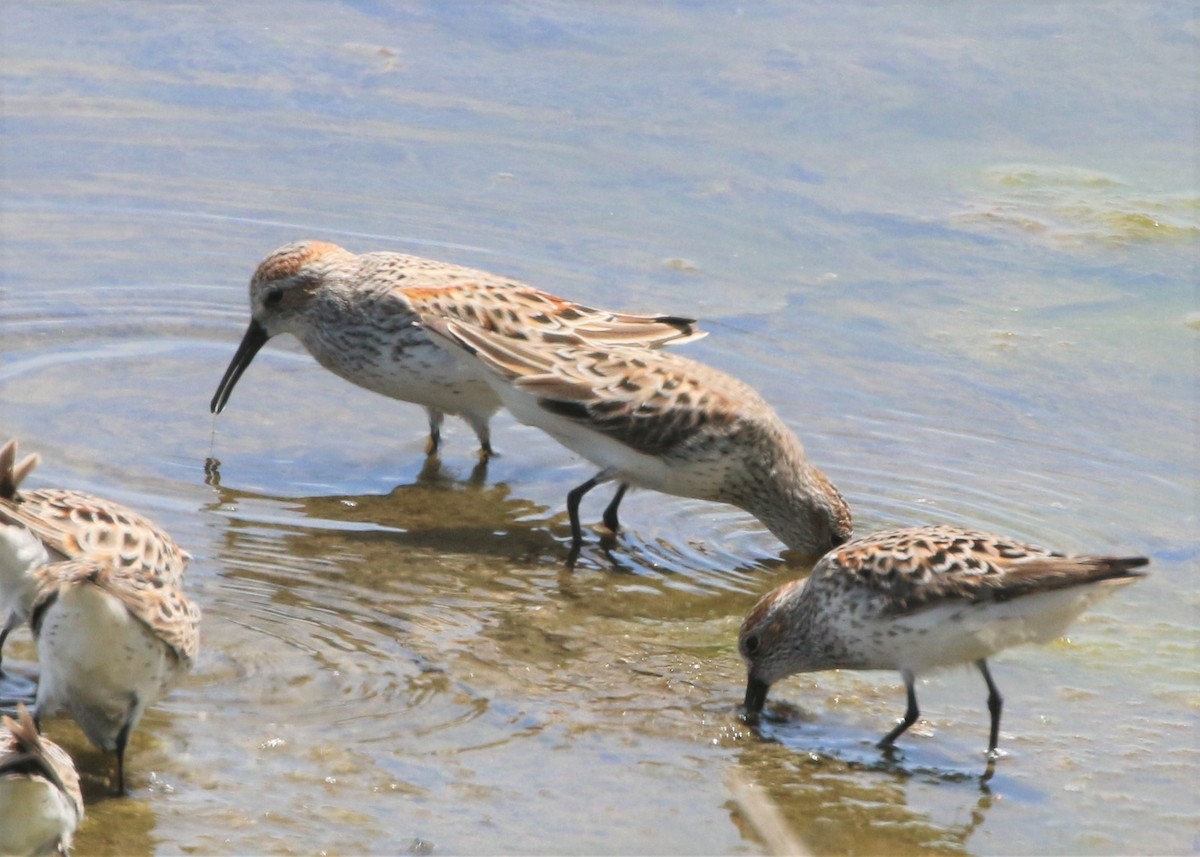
[797, 503]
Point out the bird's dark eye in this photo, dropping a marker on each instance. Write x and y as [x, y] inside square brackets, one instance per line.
[274, 296]
[750, 644]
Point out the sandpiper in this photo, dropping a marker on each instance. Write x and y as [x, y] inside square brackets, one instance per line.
[917, 599]
[657, 420]
[355, 314]
[111, 641]
[40, 801]
[52, 524]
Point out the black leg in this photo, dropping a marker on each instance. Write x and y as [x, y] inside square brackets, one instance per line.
[995, 703]
[610, 514]
[910, 715]
[3, 637]
[483, 431]
[435, 432]
[573, 498]
[122, 740]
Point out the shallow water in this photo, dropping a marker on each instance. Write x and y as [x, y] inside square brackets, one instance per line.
[955, 246]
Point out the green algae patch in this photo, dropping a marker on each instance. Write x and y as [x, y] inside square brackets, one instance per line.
[1068, 205]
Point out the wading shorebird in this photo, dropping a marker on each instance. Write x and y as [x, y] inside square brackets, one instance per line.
[111, 642]
[101, 587]
[69, 524]
[40, 801]
[653, 419]
[355, 314]
[918, 599]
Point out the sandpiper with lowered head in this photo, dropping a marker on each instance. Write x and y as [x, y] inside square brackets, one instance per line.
[656, 420]
[917, 599]
[40, 801]
[101, 587]
[69, 524]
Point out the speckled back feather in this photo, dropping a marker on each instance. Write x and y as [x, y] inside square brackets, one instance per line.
[651, 402]
[159, 605]
[74, 524]
[922, 566]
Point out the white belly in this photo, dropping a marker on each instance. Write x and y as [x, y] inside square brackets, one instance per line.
[419, 372]
[700, 478]
[100, 663]
[34, 816]
[958, 633]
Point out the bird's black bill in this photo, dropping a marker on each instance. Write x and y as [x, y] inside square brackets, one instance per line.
[756, 696]
[256, 337]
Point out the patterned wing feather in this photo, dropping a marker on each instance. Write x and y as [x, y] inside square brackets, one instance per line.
[518, 311]
[159, 605]
[923, 566]
[73, 524]
[651, 401]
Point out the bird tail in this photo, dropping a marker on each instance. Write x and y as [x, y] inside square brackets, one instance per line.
[13, 472]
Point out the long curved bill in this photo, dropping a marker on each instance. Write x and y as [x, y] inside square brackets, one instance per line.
[756, 696]
[256, 337]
